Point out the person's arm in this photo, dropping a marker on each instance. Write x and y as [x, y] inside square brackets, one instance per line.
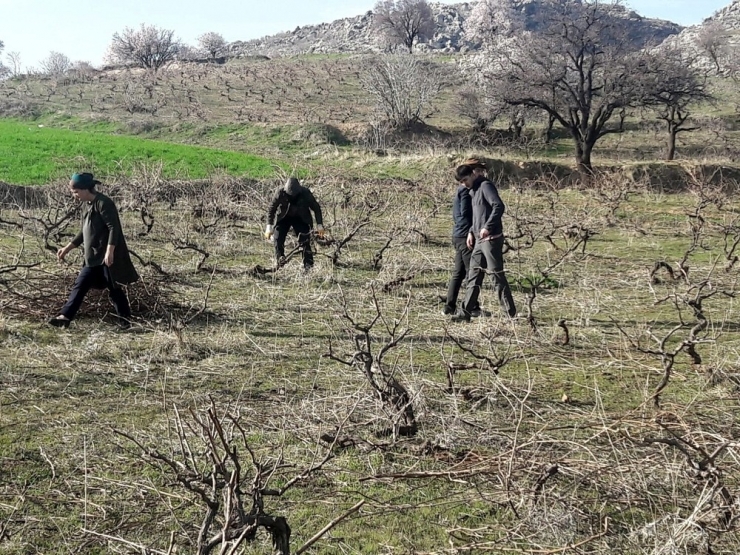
[466, 208]
[271, 214]
[471, 236]
[490, 193]
[64, 251]
[73, 244]
[109, 215]
[462, 214]
[314, 206]
[272, 210]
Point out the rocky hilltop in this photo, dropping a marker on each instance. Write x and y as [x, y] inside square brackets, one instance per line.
[728, 18]
[355, 34]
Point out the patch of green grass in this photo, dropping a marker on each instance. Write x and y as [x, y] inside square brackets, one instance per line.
[32, 153]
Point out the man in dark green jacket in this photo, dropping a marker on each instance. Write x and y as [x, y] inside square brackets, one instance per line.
[107, 262]
[291, 207]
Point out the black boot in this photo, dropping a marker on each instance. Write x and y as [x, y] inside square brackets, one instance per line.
[461, 315]
[59, 323]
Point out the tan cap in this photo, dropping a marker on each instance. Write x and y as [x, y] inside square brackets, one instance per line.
[474, 163]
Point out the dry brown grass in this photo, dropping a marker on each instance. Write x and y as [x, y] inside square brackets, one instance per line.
[530, 445]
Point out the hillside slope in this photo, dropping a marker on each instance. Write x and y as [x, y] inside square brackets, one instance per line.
[355, 34]
[727, 18]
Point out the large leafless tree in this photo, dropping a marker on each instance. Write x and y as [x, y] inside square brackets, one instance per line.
[403, 22]
[674, 85]
[577, 67]
[148, 47]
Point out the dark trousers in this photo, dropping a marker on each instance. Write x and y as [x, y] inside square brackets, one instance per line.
[97, 277]
[488, 258]
[302, 230]
[459, 272]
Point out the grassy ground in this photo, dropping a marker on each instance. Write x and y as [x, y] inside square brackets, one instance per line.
[564, 445]
[602, 420]
[317, 111]
[34, 153]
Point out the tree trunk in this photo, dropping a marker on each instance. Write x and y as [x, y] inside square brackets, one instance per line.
[583, 156]
[280, 533]
[671, 151]
[548, 131]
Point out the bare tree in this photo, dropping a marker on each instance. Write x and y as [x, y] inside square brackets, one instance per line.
[213, 43]
[3, 69]
[714, 40]
[719, 43]
[211, 466]
[402, 86]
[381, 376]
[14, 59]
[403, 22]
[148, 47]
[82, 69]
[481, 110]
[577, 67]
[675, 84]
[189, 53]
[490, 19]
[55, 63]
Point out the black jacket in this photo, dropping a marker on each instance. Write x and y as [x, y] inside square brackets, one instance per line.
[299, 206]
[488, 208]
[101, 226]
[462, 212]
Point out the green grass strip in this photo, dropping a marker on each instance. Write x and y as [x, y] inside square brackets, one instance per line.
[32, 154]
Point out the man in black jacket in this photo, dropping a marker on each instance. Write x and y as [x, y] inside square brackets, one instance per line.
[462, 221]
[291, 207]
[486, 238]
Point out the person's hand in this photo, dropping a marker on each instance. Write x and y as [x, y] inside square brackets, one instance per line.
[484, 233]
[61, 253]
[320, 231]
[108, 260]
[268, 232]
[470, 241]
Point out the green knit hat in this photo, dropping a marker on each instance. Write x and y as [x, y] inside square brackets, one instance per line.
[83, 181]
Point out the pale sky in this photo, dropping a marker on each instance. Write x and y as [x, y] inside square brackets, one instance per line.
[82, 29]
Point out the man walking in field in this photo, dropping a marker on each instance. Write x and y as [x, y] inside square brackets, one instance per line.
[462, 221]
[486, 238]
[106, 258]
[291, 207]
